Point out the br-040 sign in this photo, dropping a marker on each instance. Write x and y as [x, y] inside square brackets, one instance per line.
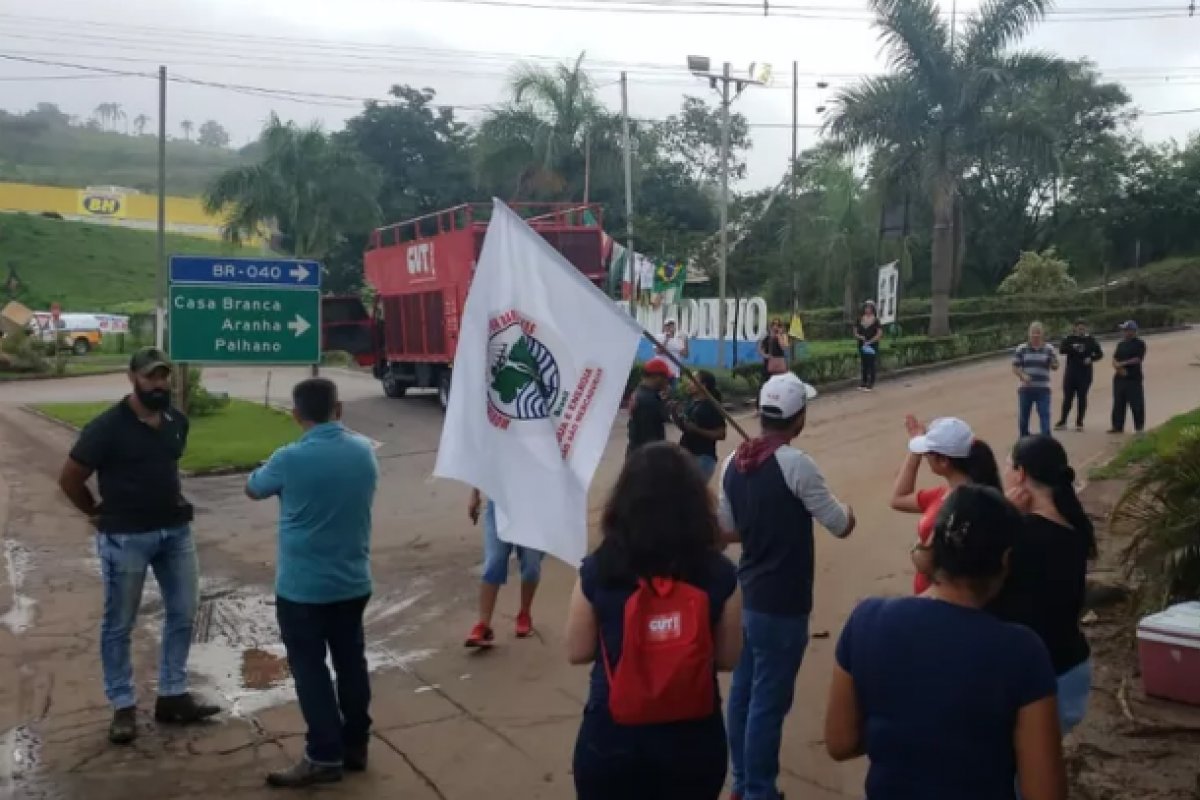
[244, 324]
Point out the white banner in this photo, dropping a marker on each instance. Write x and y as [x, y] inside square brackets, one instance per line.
[889, 293]
[543, 358]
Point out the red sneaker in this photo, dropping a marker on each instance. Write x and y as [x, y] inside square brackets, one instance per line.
[524, 625]
[481, 636]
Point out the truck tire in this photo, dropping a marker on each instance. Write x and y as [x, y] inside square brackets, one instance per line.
[81, 347]
[392, 387]
[443, 389]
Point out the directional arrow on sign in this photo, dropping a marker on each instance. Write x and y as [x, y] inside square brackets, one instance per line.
[299, 272]
[299, 325]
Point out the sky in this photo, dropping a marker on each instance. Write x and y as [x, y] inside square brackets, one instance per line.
[315, 60]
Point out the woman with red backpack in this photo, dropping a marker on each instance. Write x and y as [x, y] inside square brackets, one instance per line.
[657, 612]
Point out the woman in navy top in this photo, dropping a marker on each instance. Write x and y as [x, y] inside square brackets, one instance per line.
[947, 701]
[659, 522]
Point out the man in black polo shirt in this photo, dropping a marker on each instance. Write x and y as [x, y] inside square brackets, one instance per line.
[1128, 380]
[141, 521]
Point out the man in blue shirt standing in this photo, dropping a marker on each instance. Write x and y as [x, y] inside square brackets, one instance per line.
[325, 483]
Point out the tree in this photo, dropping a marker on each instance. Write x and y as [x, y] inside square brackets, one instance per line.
[693, 138]
[213, 134]
[140, 122]
[1039, 274]
[934, 114]
[186, 126]
[106, 114]
[311, 187]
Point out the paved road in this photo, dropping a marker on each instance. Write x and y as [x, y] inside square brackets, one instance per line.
[449, 724]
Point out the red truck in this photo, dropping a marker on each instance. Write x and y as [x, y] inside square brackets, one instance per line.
[421, 269]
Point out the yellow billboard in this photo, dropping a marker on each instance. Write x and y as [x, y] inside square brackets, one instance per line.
[102, 203]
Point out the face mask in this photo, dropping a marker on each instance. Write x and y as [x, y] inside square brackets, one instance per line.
[153, 399]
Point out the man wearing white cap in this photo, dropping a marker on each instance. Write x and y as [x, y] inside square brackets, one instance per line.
[770, 494]
[671, 341]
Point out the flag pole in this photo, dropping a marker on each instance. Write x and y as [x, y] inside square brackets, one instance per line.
[662, 351]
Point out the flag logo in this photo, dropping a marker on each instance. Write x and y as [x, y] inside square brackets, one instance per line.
[524, 379]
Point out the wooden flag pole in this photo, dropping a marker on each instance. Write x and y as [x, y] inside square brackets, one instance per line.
[683, 368]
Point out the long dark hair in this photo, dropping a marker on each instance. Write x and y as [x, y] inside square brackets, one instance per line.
[709, 382]
[979, 466]
[975, 527]
[1045, 461]
[659, 521]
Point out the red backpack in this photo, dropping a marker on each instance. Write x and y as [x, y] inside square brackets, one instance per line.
[666, 670]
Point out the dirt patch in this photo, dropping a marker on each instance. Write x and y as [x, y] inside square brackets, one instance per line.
[1129, 745]
[263, 670]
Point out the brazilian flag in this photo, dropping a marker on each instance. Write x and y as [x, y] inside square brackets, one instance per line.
[670, 274]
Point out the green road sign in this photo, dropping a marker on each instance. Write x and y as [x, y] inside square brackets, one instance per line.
[252, 325]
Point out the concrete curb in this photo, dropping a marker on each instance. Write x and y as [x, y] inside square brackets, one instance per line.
[24, 378]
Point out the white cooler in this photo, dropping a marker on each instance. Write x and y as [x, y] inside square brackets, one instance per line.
[1169, 653]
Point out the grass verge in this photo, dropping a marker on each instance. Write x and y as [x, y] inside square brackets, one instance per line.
[236, 437]
[1159, 441]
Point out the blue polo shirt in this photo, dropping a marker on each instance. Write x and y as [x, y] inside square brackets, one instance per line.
[326, 484]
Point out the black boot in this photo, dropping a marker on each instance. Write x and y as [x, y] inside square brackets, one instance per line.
[304, 773]
[183, 709]
[123, 728]
[355, 758]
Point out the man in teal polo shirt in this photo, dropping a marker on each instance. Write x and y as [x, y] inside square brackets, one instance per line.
[325, 483]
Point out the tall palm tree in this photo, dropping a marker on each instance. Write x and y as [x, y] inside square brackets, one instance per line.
[307, 185]
[549, 135]
[935, 113]
[140, 122]
[104, 113]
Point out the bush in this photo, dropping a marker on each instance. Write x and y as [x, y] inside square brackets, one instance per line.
[1160, 511]
[20, 353]
[1038, 273]
[201, 402]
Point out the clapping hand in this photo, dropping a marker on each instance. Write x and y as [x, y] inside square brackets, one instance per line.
[913, 427]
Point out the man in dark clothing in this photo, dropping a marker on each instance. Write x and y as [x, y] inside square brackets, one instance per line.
[1081, 350]
[771, 494]
[142, 522]
[648, 411]
[1128, 390]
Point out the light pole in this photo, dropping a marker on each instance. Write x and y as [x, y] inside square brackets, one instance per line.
[700, 67]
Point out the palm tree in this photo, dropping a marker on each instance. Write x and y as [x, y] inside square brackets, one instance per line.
[104, 113]
[310, 187]
[549, 136]
[187, 125]
[936, 113]
[140, 122]
[118, 113]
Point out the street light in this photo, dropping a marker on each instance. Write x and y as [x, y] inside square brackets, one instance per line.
[700, 67]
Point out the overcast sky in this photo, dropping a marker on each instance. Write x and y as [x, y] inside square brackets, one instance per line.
[347, 49]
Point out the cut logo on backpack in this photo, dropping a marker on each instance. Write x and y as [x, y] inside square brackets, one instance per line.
[667, 668]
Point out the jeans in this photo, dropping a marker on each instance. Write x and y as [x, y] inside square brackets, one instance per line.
[707, 466]
[496, 553]
[1026, 400]
[760, 698]
[124, 558]
[1074, 686]
[1076, 384]
[1129, 393]
[870, 367]
[680, 761]
[335, 720]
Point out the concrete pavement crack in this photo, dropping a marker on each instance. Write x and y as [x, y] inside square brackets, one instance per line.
[487, 726]
[420, 773]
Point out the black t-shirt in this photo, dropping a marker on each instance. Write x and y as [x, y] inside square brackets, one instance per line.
[137, 469]
[867, 332]
[1081, 352]
[1127, 349]
[647, 418]
[704, 415]
[1045, 589]
[771, 346]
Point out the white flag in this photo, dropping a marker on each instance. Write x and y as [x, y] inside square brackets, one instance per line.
[542, 361]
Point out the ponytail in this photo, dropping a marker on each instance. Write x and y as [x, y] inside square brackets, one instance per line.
[1045, 462]
[979, 466]
[1067, 503]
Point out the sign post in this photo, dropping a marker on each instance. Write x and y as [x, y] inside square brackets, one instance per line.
[244, 310]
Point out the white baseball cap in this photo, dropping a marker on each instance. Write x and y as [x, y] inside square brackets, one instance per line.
[784, 396]
[946, 436]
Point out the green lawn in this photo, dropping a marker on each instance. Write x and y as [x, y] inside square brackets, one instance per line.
[1162, 439]
[237, 437]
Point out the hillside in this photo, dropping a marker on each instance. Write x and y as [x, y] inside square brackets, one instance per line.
[42, 148]
[87, 267]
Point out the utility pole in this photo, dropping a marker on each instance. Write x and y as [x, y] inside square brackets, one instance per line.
[160, 251]
[724, 262]
[795, 156]
[953, 23]
[628, 145]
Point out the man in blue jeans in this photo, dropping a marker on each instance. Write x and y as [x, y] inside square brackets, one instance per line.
[770, 494]
[1032, 363]
[142, 522]
[325, 483]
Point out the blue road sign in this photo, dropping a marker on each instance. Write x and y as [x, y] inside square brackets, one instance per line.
[278, 272]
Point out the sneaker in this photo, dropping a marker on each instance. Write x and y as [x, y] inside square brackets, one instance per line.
[524, 625]
[355, 758]
[304, 773]
[123, 728]
[183, 709]
[1062, 426]
[481, 636]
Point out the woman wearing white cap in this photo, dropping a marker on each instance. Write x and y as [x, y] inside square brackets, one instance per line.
[953, 454]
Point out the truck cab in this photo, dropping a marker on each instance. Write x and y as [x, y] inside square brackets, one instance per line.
[421, 270]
